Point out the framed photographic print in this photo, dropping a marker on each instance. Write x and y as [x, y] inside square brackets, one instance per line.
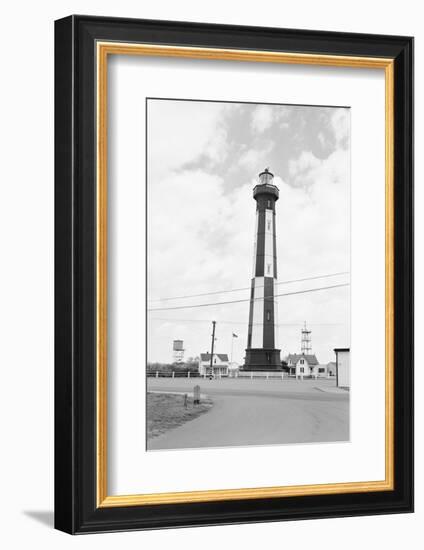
[234, 274]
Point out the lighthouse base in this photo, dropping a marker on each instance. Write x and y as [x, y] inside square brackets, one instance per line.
[262, 360]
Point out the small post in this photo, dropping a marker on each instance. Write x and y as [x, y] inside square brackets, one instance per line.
[196, 395]
[267, 375]
[185, 400]
[173, 374]
[188, 374]
[251, 375]
[282, 376]
[157, 374]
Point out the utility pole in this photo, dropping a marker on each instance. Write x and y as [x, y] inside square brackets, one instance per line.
[232, 345]
[212, 344]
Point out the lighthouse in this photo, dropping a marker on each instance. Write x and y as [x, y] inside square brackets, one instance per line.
[261, 352]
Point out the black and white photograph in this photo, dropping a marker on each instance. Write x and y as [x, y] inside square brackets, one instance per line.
[248, 274]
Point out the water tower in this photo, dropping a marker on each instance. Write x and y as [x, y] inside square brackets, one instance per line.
[178, 351]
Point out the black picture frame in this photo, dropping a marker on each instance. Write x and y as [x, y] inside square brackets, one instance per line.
[76, 509]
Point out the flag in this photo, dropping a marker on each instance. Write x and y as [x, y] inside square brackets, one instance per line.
[235, 335]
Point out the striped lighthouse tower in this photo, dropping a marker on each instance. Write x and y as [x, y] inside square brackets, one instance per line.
[262, 353]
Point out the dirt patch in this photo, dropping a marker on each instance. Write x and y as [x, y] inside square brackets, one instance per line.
[166, 411]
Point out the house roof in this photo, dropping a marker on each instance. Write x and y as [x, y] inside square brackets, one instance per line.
[207, 356]
[294, 358]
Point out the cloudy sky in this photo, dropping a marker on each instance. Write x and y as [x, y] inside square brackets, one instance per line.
[203, 161]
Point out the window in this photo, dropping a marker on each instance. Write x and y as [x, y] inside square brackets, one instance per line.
[268, 268]
[268, 204]
[268, 225]
[302, 362]
[321, 369]
[302, 369]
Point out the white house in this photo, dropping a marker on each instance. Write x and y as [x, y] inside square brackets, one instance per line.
[342, 367]
[305, 365]
[220, 364]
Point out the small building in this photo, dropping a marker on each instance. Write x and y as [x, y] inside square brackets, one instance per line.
[321, 371]
[331, 368]
[304, 365]
[342, 367]
[220, 364]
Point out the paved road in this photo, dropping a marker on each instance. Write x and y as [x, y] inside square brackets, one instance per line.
[259, 412]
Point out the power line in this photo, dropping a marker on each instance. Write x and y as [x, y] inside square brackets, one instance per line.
[249, 299]
[298, 324]
[247, 287]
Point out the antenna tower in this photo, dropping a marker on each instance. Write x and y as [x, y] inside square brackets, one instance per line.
[306, 345]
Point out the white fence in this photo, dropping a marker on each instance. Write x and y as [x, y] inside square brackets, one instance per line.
[248, 375]
[262, 374]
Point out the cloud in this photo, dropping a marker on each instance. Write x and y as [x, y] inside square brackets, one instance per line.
[179, 132]
[340, 124]
[194, 237]
[317, 214]
[262, 118]
[256, 159]
[322, 139]
[300, 167]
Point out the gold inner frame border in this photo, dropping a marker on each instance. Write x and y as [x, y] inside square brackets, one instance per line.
[103, 50]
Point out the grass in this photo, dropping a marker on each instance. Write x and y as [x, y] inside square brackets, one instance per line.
[166, 411]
